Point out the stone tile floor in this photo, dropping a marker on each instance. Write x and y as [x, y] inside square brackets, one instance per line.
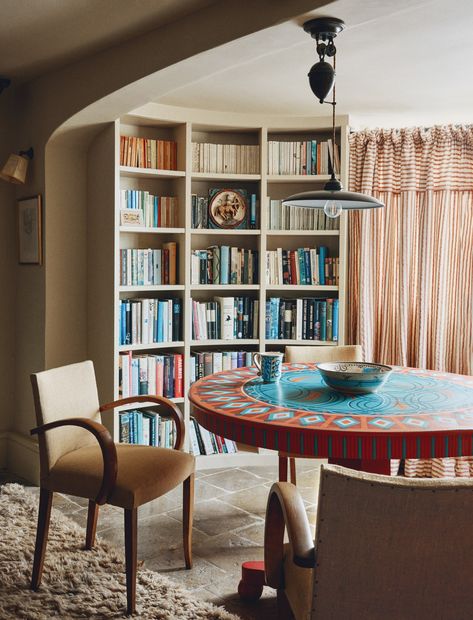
[228, 529]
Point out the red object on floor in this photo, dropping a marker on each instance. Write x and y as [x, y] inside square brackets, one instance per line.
[252, 581]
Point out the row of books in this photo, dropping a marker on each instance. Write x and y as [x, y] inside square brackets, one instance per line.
[200, 216]
[149, 267]
[287, 217]
[158, 211]
[203, 441]
[148, 153]
[203, 363]
[146, 428]
[232, 158]
[145, 321]
[162, 375]
[302, 157]
[224, 265]
[301, 319]
[225, 318]
[302, 266]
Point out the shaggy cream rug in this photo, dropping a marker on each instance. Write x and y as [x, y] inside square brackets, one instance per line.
[78, 583]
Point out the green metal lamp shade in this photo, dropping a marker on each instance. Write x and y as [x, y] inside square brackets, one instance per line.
[317, 199]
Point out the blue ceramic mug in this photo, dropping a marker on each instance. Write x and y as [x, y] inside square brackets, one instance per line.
[269, 366]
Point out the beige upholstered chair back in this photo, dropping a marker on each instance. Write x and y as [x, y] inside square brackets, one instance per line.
[65, 392]
[392, 548]
[349, 353]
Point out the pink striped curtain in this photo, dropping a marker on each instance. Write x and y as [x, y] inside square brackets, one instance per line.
[411, 263]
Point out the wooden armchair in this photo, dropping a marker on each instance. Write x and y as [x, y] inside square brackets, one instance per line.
[79, 457]
[317, 354]
[385, 548]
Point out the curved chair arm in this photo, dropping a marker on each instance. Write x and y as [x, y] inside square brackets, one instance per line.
[170, 407]
[285, 509]
[109, 451]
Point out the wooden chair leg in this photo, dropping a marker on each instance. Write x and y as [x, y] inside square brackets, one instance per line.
[282, 468]
[292, 467]
[44, 514]
[92, 516]
[131, 517]
[187, 518]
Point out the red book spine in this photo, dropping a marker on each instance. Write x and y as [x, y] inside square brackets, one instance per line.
[293, 268]
[165, 266]
[178, 376]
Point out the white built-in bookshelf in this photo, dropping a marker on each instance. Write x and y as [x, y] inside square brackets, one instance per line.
[107, 179]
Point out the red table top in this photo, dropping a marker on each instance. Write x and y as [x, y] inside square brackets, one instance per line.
[416, 414]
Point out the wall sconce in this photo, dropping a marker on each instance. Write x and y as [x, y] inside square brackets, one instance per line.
[14, 171]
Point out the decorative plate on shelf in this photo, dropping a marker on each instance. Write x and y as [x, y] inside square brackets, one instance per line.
[228, 208]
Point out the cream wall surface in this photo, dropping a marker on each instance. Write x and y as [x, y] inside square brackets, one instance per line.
[65, 108]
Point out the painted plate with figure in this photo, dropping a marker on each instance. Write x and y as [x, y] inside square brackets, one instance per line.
[228, 208]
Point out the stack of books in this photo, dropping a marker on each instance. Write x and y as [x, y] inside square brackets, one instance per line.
[203, 363]
[158, 211]
[145, 321]
[226, 318]
[148, 153]
[149, 267]
[310, 266]
[286, 217]
[303, 157]
[224, 265]
[146, 428]
[301, 319]
[203, 441]
[221, 158]
[151, 374]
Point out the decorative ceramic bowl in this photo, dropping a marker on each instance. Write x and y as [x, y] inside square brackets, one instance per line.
[354, 377]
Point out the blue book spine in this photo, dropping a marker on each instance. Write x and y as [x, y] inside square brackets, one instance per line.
[335, 321]
[160, 330]
[267, 321]
[132, 426]
[323, 251]
[301, 259]
[253, 211]
[313, 159]
[323, 320]
[140, 427]
[135, 377]
[274, 317]
[155, 211]
[122, 321]
[308, 271]
[224, 264]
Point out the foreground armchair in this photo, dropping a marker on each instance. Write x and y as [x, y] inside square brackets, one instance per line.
[78, 457]
[385, 549]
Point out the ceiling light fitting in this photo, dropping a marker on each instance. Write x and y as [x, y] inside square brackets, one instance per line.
[333, 198]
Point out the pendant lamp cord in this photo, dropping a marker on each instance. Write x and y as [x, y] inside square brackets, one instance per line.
[334, 103]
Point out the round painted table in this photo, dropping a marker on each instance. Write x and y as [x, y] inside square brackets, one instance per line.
[416, 414]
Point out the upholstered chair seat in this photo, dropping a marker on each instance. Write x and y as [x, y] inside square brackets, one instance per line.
[143, 473]
[78, 457]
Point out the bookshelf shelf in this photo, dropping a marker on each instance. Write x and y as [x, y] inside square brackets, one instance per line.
[303, 233]
[150, 347]
[106, 182]
[217, 231]
[154, 287]
[301, 287]
[297, 178]
[151, 231]
[222, 343]
[223, 176]
[146, 173]
[178, 401]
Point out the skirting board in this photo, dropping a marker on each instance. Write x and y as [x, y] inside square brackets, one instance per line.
[22, 457]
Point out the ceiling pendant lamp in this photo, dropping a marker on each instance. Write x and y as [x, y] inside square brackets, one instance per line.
[333, 199]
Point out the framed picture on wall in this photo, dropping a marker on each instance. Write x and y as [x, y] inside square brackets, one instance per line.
[30, 247]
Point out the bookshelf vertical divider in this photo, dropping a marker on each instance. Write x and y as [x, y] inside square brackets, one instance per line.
[106, 178]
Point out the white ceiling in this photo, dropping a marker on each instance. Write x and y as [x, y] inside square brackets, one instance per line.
[39, 35]
[400, 62]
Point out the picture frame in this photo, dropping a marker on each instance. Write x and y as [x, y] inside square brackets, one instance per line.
[228, 208]
[131, 217]
[30, 242]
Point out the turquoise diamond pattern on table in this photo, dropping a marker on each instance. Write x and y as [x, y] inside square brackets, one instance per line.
[280, 415]
[346, 422]
[414, 422]
[254, 410]
[381, 423]
[308, 420]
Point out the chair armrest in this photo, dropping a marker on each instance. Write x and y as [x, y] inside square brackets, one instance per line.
[109, 451]
[171, 409]
[285, 510]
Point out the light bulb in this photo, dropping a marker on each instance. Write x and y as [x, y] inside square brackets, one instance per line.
[332, 208]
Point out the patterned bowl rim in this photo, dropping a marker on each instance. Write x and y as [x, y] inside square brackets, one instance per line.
[382, 367]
